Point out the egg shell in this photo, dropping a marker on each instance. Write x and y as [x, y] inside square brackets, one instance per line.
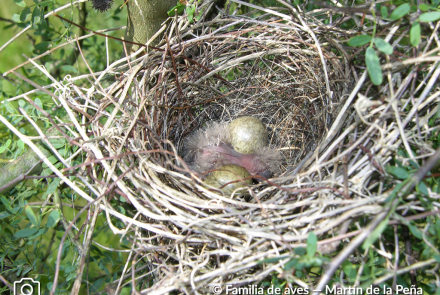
[247, 134]
[226, 174]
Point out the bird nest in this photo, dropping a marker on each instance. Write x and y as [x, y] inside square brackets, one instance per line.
[282, 67]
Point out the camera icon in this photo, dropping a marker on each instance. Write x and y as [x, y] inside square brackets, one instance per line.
[26, 286]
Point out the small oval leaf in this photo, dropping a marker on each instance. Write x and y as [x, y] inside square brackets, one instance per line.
[31, 215]
[424, 7]
[53, 219]
[398, 172]
[25, 14]
[400, 11]
[20, 144]
[373, 66]
[312, 244]
[383, 46]
[429, 16]
[415, 34]
[20, 3]
[359, 40]
[16, 18]
[24, 233]
[176, 9]
[422, 188]
[384, 11]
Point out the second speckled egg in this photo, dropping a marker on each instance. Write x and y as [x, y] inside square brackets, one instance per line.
[248, 134]
[228, 173]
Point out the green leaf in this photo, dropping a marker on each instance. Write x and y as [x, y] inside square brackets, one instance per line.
[424, 7]
[16, 18]
[20, 3]
[398, 172]
[300, 251]
[20, 144]
[42, 47]
[415, 231]
[383, 45]
[429, 16]
[21, 103]
[190, 11]
[31, 216]
[180, 8]
[421, 187]
[359, 40]
[36, 16]
[24, 233]
[68, 68]
[291, 264]
[312, 244]
[25, 14]
[375, 234]
[373, 66]
[7, 205]
[415, 34]
[58, 143]
[52, 187]
[10, 108]
[384, 11]
[400, 11]
[437, 258]
[53, 219]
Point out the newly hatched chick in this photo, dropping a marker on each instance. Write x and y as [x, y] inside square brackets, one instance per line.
[210, 149]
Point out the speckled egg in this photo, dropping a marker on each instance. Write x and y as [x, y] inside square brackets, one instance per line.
[248, 134]
[228, 173]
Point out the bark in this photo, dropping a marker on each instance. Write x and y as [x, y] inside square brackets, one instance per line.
[13, 173]
[145, 18]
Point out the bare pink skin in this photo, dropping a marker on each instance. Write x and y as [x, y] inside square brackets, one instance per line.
[223, 154]
[210, 148]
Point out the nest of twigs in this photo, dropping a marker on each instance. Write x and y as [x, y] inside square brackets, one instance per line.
[292, 72]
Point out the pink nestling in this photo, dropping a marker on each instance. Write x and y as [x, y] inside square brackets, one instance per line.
[242, 142]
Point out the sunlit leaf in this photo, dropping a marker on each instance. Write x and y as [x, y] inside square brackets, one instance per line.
[415, 34]
[430, 16]
[312, 244]
[20, 3]
[424, 7]
[20, 144]
[176, 9]
[31, 215]
[373, 66]
[16, 18]
[190, 11]
[400, 11]
[53, 219]
[383, 45]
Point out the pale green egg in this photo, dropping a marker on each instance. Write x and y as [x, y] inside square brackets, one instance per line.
[248, 134]
[228, 173]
